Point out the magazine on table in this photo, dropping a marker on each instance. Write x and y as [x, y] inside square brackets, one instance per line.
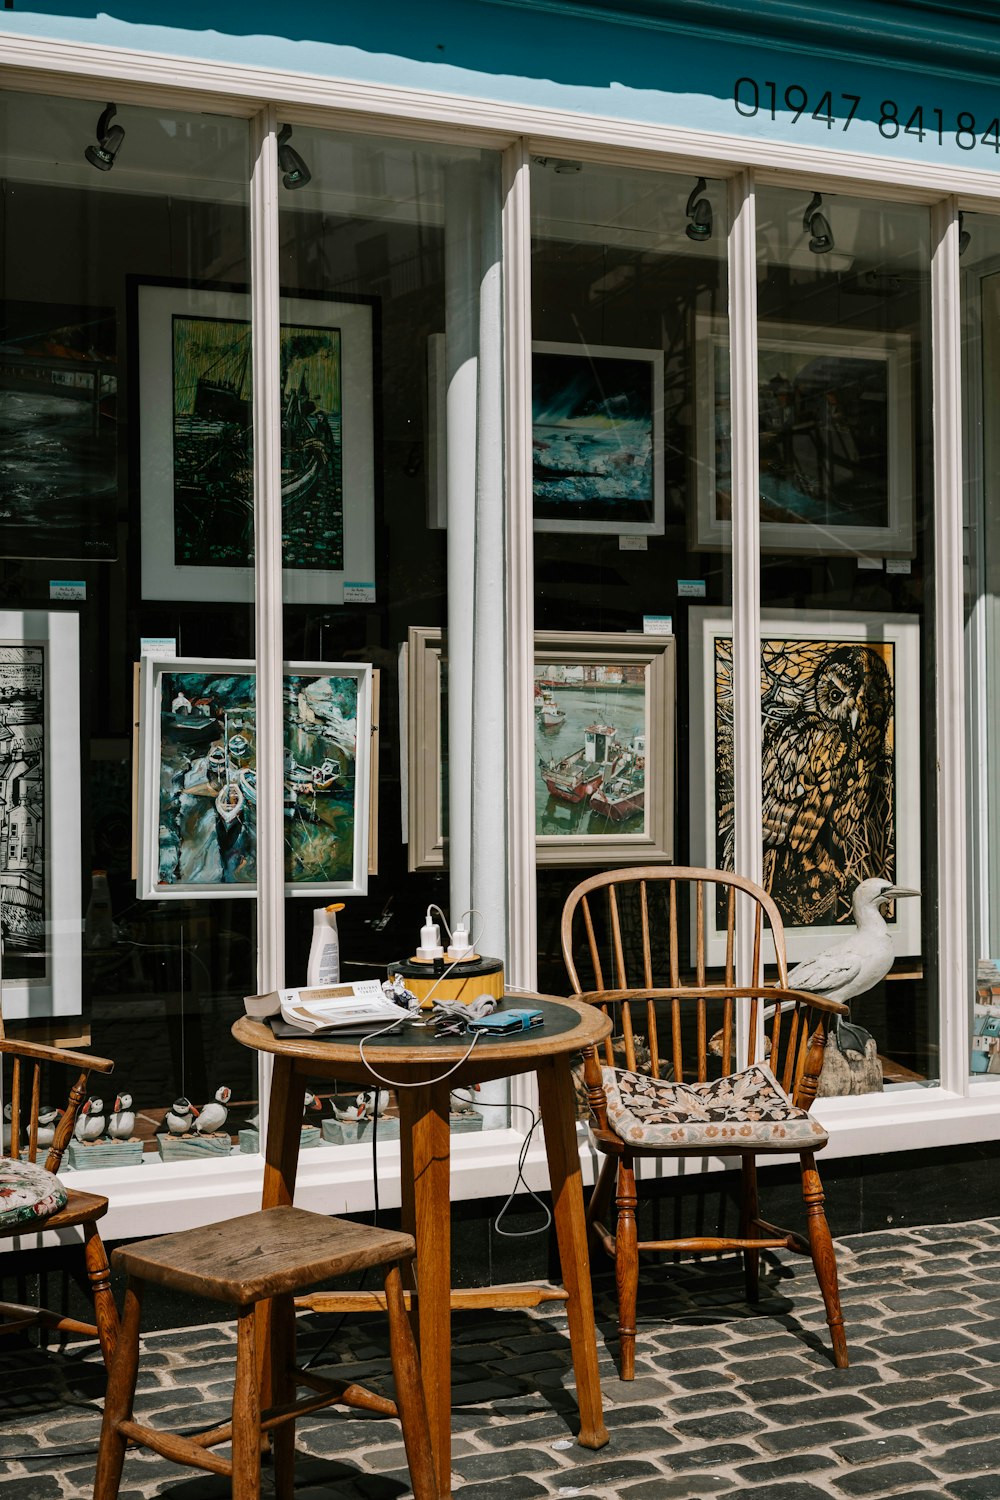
[326, 1007]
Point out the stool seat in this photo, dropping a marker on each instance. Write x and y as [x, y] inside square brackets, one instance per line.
[262, 1254]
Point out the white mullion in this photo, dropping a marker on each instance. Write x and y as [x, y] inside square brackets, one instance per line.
[265, 327]
[522, 957]
[951, 801]
[746, 544]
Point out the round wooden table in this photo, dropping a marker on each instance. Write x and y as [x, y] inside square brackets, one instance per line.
[417, 1059]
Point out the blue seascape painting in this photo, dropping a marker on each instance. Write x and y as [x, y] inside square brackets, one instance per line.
[593, 449]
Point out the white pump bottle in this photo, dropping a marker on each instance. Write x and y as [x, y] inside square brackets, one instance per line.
[324, 952]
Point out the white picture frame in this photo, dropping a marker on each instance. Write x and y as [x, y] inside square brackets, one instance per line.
[181, 833]
[836, 425]
[351, 324]
[615, 481]
[42, 875]
[896, 640]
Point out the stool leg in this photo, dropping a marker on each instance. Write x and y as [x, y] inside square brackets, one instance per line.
[120, 1395]
[246, 1412]
[283, 1391]
[410, 1392]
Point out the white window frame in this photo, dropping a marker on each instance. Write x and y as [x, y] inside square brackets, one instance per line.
[960, 1109]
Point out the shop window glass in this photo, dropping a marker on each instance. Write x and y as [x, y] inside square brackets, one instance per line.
[385, 252]
[847, 622]
[126, 506]
[632, 483]
[979, 269]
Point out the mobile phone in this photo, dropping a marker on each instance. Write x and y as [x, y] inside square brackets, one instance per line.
[506, 1022]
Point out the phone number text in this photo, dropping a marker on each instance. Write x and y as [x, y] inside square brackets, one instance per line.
[837, 111]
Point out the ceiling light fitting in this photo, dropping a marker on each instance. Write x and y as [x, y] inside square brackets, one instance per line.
[109, 141]
[295, 172]
[818, 227]
[699, 211]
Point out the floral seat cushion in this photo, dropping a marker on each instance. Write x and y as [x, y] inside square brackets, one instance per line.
[28, 1193]
[747, 1109]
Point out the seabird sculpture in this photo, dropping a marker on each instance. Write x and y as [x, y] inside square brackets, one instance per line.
[856, 962]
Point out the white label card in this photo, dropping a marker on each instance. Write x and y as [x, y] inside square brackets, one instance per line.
[897, 565]
[359, 593]
[630, 543]
[163, 646]
[690, 588]
[67, 588]
[657, 624]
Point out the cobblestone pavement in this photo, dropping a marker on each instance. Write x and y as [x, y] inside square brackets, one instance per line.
[728, 1401]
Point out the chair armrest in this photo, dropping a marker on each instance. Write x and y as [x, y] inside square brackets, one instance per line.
[688, 993]
[42, 1052]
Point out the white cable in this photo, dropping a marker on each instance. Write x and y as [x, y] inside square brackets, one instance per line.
[395, 1083]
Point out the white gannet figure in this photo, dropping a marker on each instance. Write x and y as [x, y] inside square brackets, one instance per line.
[91, 1122]
[180, 1117]
[859, 959]
[213, 1115]
[122, 1122]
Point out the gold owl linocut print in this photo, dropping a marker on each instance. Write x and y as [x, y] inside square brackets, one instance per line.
[829, 799]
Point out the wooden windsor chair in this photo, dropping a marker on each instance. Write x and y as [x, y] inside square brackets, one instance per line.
[32, 1196]
[715, 1088]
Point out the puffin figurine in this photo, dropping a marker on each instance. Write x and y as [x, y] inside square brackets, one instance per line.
[48, 1120]
[122, 1122]
[180, 1117]
[356, 1111]
[213, 1115]
[90, 1125]
[311, 1102]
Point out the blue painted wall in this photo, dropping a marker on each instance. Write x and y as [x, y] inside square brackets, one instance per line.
[851, 87]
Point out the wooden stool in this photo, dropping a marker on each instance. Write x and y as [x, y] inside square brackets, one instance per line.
[264, 1255]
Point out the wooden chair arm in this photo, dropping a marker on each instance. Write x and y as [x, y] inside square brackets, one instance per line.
[42, 1052]
[688, 993]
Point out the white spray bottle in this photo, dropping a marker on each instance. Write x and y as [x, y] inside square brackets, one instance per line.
[324, 952]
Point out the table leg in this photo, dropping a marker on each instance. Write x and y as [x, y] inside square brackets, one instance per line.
[558, 1104]
[281, 1160]
[425, 1143]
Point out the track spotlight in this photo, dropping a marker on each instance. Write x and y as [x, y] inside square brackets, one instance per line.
[699, 211]
[818, 226]
[109, 141]
[964, 235]
[296, 173]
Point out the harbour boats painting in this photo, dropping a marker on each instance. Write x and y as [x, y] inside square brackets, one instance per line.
[597, 454]
[199, 759]
[213, 444]
[58, 431]
[590, 749]
[23, 831]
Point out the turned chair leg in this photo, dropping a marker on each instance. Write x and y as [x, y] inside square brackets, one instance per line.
[282, 1393]
[119, 1398]
[600, 1199]
[823, 1257]
[246, 1412]
[749, 1210]
[99, 1275]
[626, 1265]
[409, 1392]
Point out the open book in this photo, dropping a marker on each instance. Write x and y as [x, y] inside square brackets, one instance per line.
[333, 1007]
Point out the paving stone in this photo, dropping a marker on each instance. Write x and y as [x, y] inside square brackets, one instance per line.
[801, 1439]
[700, 1380]
[819, 1408]
[915, 1392]
[881, 1480]
[786, 1389]
[690, 1487]
[979, 1487]
[871, 1449]
[719, 1425]
[702, 1401]
[605, 1473]
[985, 1425]
[781, 1468]
[708, 1457]
[968, 1459]
[934, 1411]
[32, 1487]
[794, 1491]
[501, 1463]
[520, 1488]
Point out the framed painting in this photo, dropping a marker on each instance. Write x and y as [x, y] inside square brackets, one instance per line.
[58, 431]
[835, 433]
[597, 438]
[193, 410]
[40, 890]
[424, 705]
[604, 743]
[840, 704]
[604, 748]
[198, 778]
